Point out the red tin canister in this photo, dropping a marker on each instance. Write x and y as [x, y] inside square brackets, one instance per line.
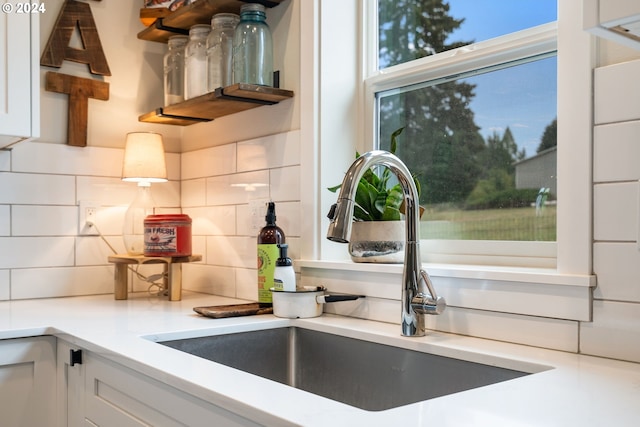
[167, 235]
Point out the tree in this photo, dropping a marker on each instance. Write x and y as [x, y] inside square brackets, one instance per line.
[549, 136]
[501, 153]
[441, 143]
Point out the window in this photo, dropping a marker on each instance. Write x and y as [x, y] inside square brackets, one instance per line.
[469, 273]
[479, 122]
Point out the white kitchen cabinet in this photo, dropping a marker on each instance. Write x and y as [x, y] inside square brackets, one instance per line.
[100, 392]
[19, 73]
[27, 381]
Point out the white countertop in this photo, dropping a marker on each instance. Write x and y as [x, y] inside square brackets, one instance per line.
[578, 390]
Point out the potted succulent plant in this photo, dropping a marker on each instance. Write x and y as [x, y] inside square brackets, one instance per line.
[378, 231]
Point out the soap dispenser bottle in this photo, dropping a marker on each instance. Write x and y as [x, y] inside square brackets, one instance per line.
[268, 252]
[284, 277]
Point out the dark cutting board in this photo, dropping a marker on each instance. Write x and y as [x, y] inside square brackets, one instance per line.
[233, 310]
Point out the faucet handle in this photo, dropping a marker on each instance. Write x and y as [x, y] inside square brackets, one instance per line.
[426, 304]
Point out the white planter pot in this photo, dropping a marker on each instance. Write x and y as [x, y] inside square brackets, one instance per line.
[377, 241]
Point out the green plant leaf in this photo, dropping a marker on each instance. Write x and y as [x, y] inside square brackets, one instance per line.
[334, 189]
[390, 214]
[375, 200]
[394, 140]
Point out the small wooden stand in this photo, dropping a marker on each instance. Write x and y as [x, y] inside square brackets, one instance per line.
[172, 273]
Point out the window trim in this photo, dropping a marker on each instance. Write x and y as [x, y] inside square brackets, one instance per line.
[332, 127]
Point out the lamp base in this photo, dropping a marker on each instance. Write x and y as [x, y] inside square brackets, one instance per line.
[133, 229]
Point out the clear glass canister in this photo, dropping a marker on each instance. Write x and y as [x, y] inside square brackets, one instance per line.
[220, 50]
[253, 47]
[195, 62]
[174, 70]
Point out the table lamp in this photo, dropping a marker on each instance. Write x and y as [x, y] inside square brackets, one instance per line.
[144, 163]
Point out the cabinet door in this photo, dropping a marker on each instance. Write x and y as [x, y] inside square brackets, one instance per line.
[28, 382]
[19, 73]
[118, 396]
[70, 388]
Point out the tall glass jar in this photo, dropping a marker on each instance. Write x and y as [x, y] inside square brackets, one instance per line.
[195, 62]
[253, 47]
[174, 70]
[220, 50]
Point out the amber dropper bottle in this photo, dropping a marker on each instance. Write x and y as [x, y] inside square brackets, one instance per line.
[268, 252]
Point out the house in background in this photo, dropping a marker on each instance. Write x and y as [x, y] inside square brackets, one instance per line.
[538, 171]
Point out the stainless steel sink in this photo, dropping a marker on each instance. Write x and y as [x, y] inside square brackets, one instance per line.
[360, 373]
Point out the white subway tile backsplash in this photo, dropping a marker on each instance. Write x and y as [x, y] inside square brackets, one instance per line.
[231, 251]
[614, 332]
[238, 188]
[5, 160]
[115, 192]
[173, 161]
[166, 194]
[207, 162]
[616, 152]
[63, 159]
[617, 266]
[269, 152]
[34, 189]
[44, 220]
[210, 279]
[213, 220]
[110, 221]
[288, 218]
[615, 213]
[285, 184]
[193, 193]
[199, 246]
[92, 250]
[616, 93]
[5, 285]
[58, 282]
[105, 191]
[5, 220]
[247, 283]
[26, 252]
[536, 331]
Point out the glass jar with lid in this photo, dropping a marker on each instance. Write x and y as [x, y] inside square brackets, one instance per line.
[195, 62]
[253, 47]
[174, 70]
[220, 50]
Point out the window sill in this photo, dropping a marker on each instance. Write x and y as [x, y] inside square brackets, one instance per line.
[525, 291]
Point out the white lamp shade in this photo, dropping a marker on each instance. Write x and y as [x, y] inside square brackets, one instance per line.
[144, 159]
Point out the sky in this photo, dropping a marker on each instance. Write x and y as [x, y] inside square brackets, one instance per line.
[522, 98]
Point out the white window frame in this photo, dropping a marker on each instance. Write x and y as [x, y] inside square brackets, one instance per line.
[536, 41]
[333, 126]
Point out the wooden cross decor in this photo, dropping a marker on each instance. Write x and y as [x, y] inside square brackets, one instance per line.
[76, 15]
[79, 90]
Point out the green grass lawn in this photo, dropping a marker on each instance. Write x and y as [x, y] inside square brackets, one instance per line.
[520, 224]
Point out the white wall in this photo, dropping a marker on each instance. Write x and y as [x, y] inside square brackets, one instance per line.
[615, 330]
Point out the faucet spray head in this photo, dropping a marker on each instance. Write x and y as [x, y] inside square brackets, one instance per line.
[340, 225]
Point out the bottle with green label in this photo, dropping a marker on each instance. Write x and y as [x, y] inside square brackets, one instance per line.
[268, 252]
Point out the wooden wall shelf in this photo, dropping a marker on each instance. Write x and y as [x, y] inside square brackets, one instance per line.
[199, 12]
[221, 102]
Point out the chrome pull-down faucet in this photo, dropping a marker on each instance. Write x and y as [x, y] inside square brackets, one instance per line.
[418, 294]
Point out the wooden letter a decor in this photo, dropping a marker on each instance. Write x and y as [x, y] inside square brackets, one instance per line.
[74, 15]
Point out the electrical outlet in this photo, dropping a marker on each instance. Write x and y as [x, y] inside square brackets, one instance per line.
[257, 212]
[87, 216]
